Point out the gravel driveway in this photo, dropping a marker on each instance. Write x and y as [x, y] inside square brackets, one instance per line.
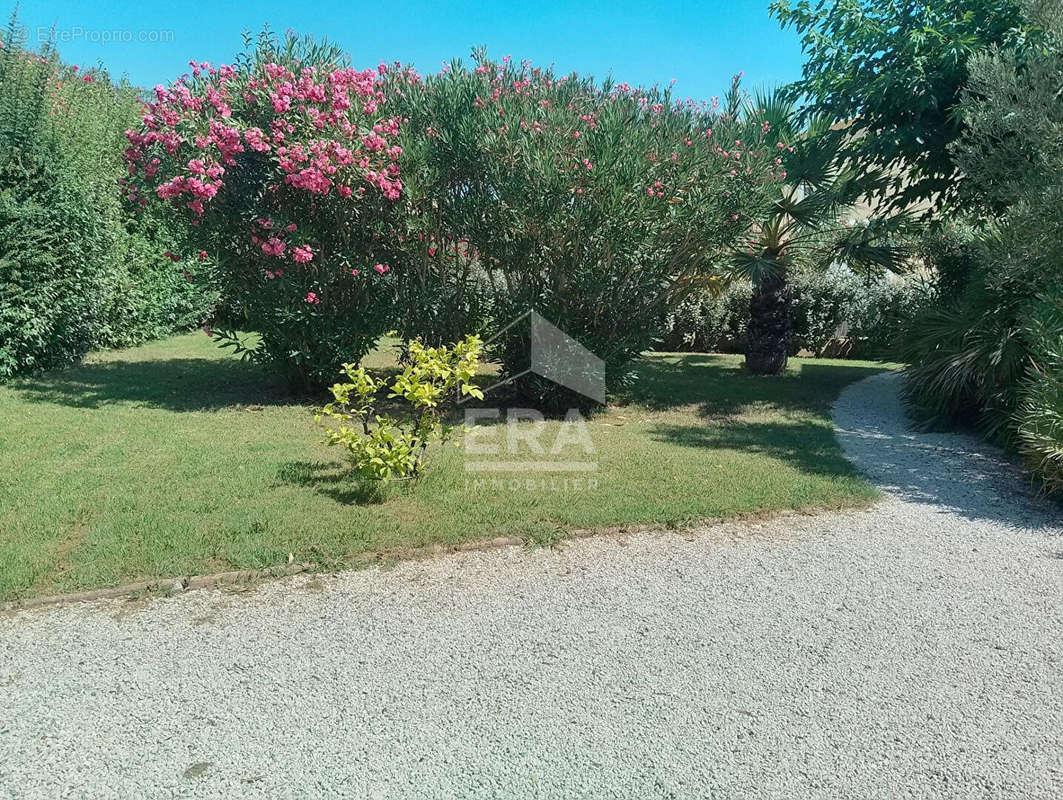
[914, 650]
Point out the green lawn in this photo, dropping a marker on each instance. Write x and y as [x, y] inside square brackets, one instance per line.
[175, 459]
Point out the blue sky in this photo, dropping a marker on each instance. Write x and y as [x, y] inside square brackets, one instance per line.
[700, 44]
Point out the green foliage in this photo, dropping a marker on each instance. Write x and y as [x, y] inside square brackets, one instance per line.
[991, 357]
[893, 70]
[881, 312]
[1039, 418]
[381, 446]
[709, 321]
[871, 313]
[599, 205]
[76, 273]
[947, 251]
[1011, 114]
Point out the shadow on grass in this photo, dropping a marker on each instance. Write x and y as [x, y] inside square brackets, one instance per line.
[721, 386]
[808, 447]
[334, 480]
[177, 384]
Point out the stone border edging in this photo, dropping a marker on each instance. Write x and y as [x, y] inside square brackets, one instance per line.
[168, 587]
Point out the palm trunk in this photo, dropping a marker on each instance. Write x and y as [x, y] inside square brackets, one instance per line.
[768, 335]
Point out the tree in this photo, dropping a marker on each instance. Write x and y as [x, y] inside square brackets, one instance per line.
[77, 272]
[993, 357]
[806, 227]
[893, 70]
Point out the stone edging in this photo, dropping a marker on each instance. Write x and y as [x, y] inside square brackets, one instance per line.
[168, 587]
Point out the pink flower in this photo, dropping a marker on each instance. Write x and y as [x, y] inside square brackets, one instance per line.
[273, 247]
[302, 254]
[312, 298]
[381, 268]
[202, 255]
[354, 272]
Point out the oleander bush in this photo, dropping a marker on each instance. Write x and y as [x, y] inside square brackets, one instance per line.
[76, 271]
[283, 168]
[601, 206]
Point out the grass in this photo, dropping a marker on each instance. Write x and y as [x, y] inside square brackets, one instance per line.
[175, 458]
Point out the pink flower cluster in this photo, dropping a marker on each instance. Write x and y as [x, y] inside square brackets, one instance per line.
[321, 130]
[569, 112]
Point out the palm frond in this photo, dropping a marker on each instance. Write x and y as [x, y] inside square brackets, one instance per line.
[754, 265]
[775, 108]
[876, 244]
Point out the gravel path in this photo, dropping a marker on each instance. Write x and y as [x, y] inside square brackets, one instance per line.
[914, 650]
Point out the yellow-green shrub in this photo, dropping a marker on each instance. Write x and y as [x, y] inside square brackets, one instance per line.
[382, 446]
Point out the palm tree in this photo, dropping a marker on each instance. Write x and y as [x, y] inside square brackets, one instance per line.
[803, 228]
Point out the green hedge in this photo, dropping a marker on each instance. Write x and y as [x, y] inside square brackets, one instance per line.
[872, 311]
[77, 271]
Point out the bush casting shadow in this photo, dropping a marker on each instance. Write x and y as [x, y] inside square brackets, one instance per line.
[177, 384]
[720, 386]
[808, 447]
[335, 480]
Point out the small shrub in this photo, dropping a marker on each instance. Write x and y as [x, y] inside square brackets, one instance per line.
[382, 446]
